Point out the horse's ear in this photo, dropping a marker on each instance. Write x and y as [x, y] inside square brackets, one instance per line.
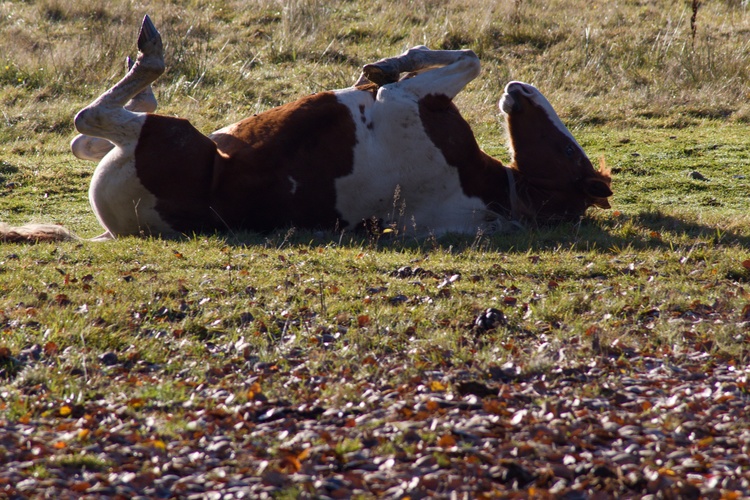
[598, 187]
[604, 169]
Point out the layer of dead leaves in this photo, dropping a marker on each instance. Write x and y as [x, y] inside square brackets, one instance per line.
[614, 422]
[626, 425]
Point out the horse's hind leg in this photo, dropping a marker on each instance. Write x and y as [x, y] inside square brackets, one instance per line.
[107, 116]
[87, 147]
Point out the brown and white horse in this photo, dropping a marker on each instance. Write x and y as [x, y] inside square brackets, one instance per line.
[329, 160]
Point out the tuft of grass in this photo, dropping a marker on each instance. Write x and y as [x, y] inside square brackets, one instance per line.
[83, 462]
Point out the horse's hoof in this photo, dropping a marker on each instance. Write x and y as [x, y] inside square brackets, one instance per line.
[381, 73]
[149, 39]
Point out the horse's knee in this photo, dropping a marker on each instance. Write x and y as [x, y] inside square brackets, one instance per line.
[472, 62]
[84, 119]
[469, 53]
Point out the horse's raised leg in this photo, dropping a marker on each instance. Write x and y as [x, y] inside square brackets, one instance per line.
[428, 71]
[120, 201]
[91, 148]
[86, 147]
[145, 100]
[107, 117]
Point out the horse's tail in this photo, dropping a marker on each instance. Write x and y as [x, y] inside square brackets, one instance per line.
[33, 233]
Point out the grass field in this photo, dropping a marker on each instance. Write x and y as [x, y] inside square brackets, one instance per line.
[590, 360]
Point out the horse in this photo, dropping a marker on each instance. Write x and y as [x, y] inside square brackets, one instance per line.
[391, 151]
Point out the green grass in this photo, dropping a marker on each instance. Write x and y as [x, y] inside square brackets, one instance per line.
[159, 334]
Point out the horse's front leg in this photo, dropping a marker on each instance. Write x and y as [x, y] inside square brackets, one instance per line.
[425, 71]
[444, 72]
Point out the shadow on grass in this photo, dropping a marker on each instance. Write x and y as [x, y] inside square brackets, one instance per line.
[659, 231]
[640, 231]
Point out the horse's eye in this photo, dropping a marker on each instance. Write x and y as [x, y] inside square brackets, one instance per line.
[569, 150]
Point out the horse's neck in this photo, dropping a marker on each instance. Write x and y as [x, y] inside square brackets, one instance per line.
[496, 185]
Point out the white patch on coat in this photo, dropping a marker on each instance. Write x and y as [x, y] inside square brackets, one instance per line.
[120, 202]
[394, 153]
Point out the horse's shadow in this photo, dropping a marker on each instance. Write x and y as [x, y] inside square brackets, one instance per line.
[646, 230]
[658, 231]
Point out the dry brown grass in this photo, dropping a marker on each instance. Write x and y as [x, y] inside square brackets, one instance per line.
[614, 62]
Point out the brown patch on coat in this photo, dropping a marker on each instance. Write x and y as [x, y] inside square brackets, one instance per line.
[480, 175]
[175, 162]
[370, 87]
[279, 168]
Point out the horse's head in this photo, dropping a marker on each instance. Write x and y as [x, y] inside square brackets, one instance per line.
[558, 179]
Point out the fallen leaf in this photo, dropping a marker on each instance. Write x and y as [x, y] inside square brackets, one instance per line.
[363, 320]
[80, 486]
[159, 444]
[437, 386]
[447, 441]
[62, 299]
[136, 403]
[290, 464]
[50, 348]
[254, 391]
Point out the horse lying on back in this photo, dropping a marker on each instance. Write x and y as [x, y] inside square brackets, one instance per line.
[329, 160]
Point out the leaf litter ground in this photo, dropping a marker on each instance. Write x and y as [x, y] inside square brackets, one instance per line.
[678, 428]
[513, 404]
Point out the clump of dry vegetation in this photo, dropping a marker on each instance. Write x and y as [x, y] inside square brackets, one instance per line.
[613, 62]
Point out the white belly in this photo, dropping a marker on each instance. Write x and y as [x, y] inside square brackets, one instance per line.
[121, 203]
[400, 176]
